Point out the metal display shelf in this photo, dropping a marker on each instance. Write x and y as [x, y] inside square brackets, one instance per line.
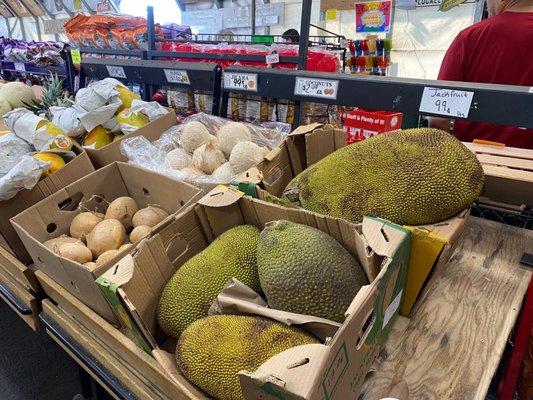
[30, 68]
[198, 76]
[114, 52]
[498, 104]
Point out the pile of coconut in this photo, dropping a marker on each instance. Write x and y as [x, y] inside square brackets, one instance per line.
[228, 154]
[96, 238]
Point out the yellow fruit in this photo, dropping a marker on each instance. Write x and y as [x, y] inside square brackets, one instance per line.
[62, 142]
[118, 137]
[99, 137]
[213, 350]
[129, 118]
[126, 96]
[56, 162]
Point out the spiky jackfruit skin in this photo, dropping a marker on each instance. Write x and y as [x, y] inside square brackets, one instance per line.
[306, 271]
[213, 350]
[410, 177]
[188, 295]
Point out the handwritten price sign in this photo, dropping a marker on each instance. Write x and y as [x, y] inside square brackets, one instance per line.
[312, 87]
[453, 103]
[177, 76]
[240, 81]
[116, 71]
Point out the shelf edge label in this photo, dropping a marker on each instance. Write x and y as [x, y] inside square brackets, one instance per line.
[20, 66]
[115, 71]
[314, 87]
[448, 102]
[177, 76]
[240, 81]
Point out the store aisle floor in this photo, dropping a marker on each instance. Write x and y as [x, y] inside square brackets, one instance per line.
[32, 366]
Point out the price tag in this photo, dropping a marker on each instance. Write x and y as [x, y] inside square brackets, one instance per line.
[343, 43]
[312, 87]
[21, 67]
[240, 81]
[76, 56]
[177, 76]
[116, 72]
[272, 58]
[453, 103]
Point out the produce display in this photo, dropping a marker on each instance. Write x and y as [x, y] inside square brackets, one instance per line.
[232, 343]
[410, 177]
[205, 149]
[97, 238]
[14, 95]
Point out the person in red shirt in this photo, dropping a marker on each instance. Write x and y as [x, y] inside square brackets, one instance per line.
[496, 50]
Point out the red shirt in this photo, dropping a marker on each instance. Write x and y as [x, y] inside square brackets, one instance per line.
[495, 50]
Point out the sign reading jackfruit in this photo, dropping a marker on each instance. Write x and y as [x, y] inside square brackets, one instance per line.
[177, 76]
[240, 81]
[313, 87]
[116, 72]
[449, 102]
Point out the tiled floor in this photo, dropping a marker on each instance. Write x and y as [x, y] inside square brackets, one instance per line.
[32, 367]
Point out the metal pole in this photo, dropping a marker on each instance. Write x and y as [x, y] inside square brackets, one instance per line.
[150, 28]
[253, 16]
[302, 53]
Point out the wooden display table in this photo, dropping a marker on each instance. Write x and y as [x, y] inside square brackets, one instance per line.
[449, 348]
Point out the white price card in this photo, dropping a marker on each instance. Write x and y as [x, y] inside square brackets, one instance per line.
[240, 81]
[272, 58]
[312, 87]
[116, 72]
[177, 76]
[21, 67]
[453, 103]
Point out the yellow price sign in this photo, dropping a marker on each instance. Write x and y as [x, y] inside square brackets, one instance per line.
[331, 14]
[76, 56]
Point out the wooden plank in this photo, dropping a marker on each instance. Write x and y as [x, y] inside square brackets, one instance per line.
[451, 346]
[123, 348]
[20, 272]
[518, 163]
[27, 298]
[514, 152]
[101, 354]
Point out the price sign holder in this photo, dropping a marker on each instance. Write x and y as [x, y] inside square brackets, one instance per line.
[177, 76]
[75, 55]
[314, 87]
[116, 71]
[240, 81]
[272, 58]
[447, 102]
[20, 67]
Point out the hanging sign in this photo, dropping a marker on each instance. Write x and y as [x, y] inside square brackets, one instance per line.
[453, 103]
[373, 16]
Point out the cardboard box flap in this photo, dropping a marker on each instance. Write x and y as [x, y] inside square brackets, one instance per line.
[253, 175]
[303, 129]
[121, 272]
[221, 196]
[272, 154]
[382, 236]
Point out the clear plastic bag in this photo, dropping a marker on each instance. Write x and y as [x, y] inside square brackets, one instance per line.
[154, 155]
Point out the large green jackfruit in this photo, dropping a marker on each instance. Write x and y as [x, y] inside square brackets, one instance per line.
[213, 350]
[188, 295]
[306, 271]
[410, 177]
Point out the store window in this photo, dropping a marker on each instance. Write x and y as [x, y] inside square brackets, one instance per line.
[165, 11]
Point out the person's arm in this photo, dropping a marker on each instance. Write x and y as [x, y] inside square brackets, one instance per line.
[451, 69]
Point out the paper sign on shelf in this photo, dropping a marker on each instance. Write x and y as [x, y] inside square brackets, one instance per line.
[449, 102]
[272, 58]
[240, 81]
[116, 72]
[177, 76]
[21, 67]
[76, 56]
[313, 87]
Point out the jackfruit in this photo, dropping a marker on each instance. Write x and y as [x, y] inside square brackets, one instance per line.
[304, 270]
[411, 177]
[188, 295]
[213, 350]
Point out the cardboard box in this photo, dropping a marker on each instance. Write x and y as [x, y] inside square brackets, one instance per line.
[51, 218]
[310, 143]
[152, 131]
[335, 370]
[360, 124]
[508, 174]
[71, 172]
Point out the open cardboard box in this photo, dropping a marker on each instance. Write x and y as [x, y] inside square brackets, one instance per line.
[51, 218]
[308, 144]
[334, 370]
[71, 172]
[151, 131]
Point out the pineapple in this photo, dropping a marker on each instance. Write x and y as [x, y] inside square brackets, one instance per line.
[53, 95]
